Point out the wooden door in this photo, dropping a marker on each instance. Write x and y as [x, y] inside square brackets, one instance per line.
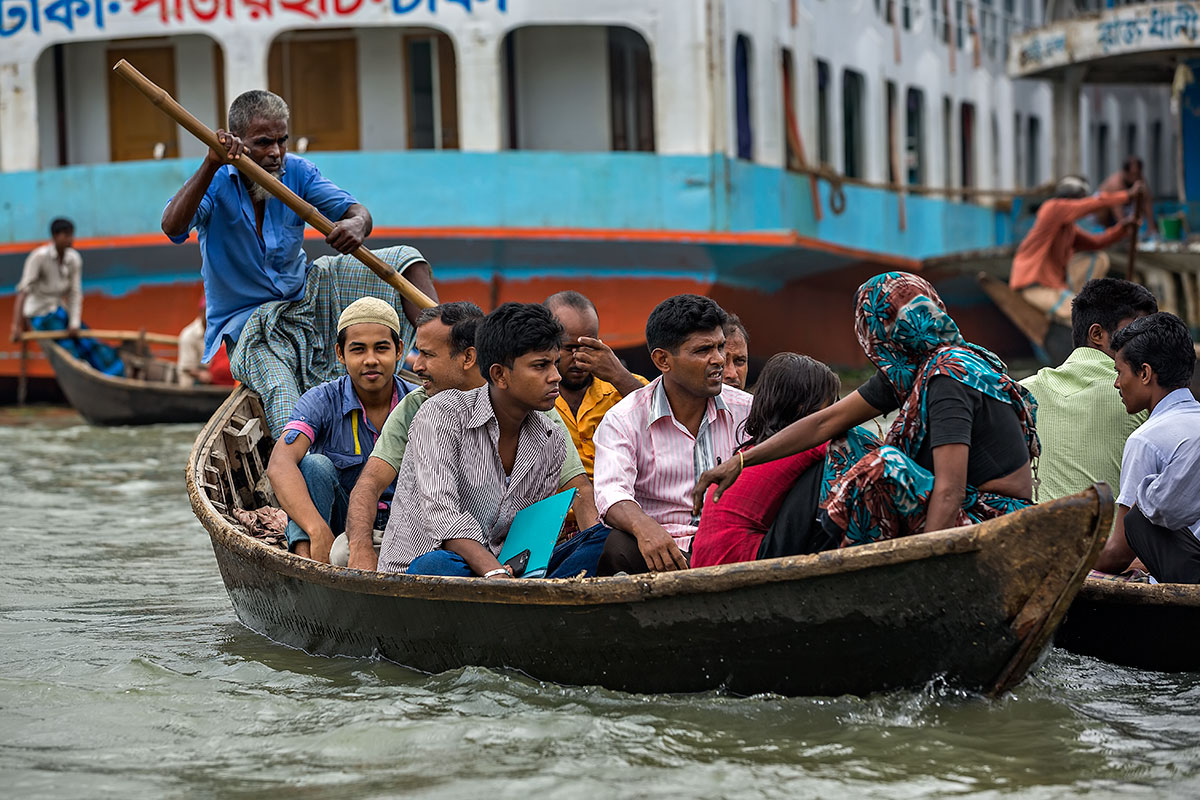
[318, 77]
[135, 125]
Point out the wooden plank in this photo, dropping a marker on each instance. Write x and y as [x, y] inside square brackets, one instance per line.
[1029, 320]
[131, 336]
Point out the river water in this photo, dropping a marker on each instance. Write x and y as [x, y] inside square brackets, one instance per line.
[124, 673]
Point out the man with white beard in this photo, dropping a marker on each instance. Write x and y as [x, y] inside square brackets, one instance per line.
[250, 243]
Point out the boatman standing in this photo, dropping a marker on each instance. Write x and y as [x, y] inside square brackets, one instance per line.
[50, 298]
[250, 243]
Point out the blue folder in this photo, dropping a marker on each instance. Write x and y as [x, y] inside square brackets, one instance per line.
[535, 528]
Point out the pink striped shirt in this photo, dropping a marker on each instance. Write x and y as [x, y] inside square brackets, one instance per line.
[645, 455]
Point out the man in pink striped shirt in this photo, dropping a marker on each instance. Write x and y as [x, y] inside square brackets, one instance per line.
[653, 445]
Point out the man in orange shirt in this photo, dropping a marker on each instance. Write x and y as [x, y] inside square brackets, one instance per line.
[1040, 267]
[593, 378]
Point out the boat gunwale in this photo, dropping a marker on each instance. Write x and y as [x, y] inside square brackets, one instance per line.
[1100, 590]
[78, 365]
[591, 591]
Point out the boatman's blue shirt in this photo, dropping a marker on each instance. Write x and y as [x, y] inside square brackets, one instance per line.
[242, 271]
[337, 425]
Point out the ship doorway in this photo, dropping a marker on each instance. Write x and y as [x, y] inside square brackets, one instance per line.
[741, 99]
[967, 146]
[432, 91]
[316, 73]
[577, 89]
[136, 129]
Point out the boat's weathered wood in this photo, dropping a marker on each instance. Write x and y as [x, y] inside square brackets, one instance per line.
[976, 605]
[1135, 624]
[107, 400]
[124, 336]
[1029, 321]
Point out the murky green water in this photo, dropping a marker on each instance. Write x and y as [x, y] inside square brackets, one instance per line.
[123, 673]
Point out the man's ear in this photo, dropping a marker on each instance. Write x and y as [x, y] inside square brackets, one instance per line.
[661, 358]
[1096, 334]
[468, 359]
[499, 375]
[340, 352]
[1147, 375]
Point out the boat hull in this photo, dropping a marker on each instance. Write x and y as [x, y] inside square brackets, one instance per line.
[1135, 624]
[975, 606]
[106, 400]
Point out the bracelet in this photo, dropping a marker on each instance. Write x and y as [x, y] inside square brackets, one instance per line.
[741, 460]
[496, 571]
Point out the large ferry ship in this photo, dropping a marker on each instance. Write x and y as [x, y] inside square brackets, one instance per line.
[768, 153]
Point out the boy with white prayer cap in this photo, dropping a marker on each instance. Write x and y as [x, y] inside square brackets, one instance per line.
[333, 429]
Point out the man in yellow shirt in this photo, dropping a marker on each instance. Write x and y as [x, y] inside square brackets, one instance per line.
[593, 378]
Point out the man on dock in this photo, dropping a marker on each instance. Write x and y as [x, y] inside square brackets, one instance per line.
[261, 290]
[593, 378]
[1040, 271]
[50, 298]
[1129, 175]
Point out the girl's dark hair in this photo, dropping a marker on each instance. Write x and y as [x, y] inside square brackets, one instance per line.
[790, 386]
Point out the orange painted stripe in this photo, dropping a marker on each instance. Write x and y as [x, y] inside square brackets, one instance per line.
[747, 238]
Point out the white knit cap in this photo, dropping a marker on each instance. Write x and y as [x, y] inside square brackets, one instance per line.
[369, 309]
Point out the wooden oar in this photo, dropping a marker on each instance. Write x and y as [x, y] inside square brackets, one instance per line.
[153, 338]
[254, 172]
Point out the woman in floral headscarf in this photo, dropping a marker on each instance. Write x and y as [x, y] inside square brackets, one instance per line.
[959, 450]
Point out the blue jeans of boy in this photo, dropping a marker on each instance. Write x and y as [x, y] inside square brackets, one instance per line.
[325, 489]
[578, 554]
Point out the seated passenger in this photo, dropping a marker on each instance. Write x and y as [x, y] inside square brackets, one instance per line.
[190, 367]
[652, 445]
[957, 453]
[790, 387]
[334, 426]
[593, 378]
[737, 352]
[1081, 421]
[1158, 508]
[476, 458]
[446, 359]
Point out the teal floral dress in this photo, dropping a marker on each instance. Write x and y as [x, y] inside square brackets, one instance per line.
[874, 489]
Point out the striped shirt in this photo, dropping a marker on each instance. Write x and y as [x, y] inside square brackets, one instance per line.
[452, 484]
[645, 455]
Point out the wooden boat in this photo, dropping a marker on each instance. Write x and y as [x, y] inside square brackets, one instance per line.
[152, 396]
[1135, 624]
[975, 606]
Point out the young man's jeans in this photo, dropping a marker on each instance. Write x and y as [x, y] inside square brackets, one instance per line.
[578, 554]
[327, 494]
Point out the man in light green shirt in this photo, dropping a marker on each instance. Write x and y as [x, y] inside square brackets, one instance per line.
[445, 360]
[1081, 421]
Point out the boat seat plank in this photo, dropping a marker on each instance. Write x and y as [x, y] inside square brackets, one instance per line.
[1029, 320]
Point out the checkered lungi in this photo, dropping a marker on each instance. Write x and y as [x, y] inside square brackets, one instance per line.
[287, 348]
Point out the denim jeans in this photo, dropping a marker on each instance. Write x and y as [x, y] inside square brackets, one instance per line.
[578, 554]
[327, 494]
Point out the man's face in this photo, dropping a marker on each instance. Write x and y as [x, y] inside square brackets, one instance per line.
[533, 379]
[575, 324]
[63, 240]
[1134, 385]
[266, 141]
[737, 360]
[369, 355]
[434, 365]
[699, 366]
[1133, 174]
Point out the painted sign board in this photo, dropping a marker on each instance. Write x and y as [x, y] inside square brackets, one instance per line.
[1142, 28]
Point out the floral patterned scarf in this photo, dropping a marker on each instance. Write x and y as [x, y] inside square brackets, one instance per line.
[903, 327]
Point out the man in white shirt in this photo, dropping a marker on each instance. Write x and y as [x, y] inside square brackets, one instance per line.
[50, 297]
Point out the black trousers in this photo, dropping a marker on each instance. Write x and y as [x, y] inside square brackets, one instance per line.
[622, 554]
[1171, 556]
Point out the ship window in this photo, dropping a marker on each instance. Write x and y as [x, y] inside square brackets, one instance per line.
[1018, 152]
[853, 89]
[581, 88]
[1101, 152]
[631, 90]
[947, 141]
[1154, 168]
[892, 157]
[995, 150]
[742, 106]
[793, 147]
[967, 144]
[1033, 164]
[1131, 140]
[432, 92]
[914, 139]
[823, 112]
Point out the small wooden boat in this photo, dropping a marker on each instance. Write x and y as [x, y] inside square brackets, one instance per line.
[1135, 624]
[976, 606]
[152, 396]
